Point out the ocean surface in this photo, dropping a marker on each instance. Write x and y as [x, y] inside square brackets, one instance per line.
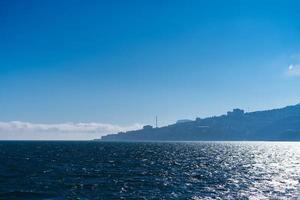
[185, 170]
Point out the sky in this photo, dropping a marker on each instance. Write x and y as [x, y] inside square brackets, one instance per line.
[82, 69]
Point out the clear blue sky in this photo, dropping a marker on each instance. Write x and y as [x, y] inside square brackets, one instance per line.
[123, 62]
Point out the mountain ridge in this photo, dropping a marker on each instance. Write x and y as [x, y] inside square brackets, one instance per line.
[275, 124]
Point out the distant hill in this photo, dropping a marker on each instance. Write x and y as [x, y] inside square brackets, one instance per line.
[271, 125]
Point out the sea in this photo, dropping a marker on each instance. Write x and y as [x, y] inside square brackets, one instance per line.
[149, 170]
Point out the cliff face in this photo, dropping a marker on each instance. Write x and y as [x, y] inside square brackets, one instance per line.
[277, 124]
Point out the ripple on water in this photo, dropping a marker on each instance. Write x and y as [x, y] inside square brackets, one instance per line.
[203, 170]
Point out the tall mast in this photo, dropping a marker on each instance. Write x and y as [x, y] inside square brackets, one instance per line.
[156, 121]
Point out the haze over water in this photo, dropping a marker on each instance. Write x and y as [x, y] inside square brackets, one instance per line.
[185, 170]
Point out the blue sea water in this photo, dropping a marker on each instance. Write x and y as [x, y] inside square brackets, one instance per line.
[184, 170]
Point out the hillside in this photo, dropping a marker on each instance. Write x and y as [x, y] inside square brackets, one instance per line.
[276, 124]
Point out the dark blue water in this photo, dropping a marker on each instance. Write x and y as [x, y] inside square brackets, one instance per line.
[95, 170]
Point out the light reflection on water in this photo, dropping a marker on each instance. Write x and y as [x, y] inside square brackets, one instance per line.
[187, 170]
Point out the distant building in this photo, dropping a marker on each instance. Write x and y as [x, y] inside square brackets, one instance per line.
[183, 121]
[236, 113]
[198, 119]
[147, 127]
